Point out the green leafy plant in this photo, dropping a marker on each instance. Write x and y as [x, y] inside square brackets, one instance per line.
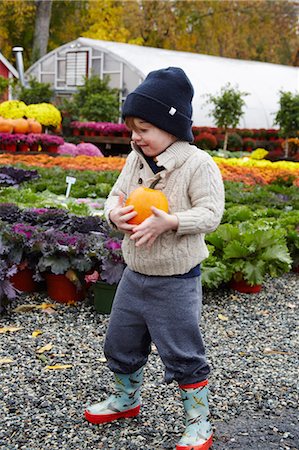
[250, 252]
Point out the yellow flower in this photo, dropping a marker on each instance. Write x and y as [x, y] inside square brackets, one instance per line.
[44, 113]
[13, 109]
[259, 153]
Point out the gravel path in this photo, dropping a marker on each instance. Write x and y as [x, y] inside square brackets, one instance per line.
[251, 344]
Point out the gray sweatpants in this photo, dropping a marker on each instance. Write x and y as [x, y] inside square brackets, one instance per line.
[163, 310]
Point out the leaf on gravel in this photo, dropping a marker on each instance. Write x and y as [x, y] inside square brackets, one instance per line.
[36, 333]
[102, 360]
[222, 317]
[263, 312]
[46, 306]
[270, 351]
[59, 367]
[6, 360]
[31, 306]
[45, 348]
[24, 308]
[49, 311]
[42, 358]
[10, 329]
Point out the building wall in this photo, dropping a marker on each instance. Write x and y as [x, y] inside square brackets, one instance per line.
[4, 72]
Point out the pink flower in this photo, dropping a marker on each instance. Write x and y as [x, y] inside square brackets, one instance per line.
[88, 149]
[92, 277]
[67, 149]
[24, 229]
[113, 245]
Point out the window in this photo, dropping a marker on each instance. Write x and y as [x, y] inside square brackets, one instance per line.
[76, 68]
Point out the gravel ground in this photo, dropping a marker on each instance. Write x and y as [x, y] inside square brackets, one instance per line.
[251, 344]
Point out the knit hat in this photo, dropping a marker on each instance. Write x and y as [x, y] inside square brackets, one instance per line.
[164, 100]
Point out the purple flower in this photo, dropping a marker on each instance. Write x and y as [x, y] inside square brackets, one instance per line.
[21, 228]
[113, 245]
[39, 210]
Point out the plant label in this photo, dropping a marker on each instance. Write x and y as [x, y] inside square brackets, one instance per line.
[70, 181]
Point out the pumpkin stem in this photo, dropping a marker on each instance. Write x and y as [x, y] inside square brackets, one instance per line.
[154, 183]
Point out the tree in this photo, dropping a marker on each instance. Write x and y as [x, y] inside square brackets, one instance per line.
[228, 108]
[41, 31]
[244, 29]
[16, 26]
[235, 29]
[288, 117]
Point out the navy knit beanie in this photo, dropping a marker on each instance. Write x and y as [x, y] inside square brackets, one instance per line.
[164, 100]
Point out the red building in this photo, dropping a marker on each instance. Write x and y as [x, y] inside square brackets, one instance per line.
[7, 71]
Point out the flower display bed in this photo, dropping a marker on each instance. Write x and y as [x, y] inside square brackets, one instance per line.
[258, 235]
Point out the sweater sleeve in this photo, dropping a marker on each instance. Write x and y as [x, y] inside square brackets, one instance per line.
[121, 186]
[206, 193]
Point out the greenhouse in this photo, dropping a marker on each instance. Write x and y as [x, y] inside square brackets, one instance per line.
[127, 65]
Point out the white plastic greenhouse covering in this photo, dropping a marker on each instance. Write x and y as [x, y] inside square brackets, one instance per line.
[127, 65]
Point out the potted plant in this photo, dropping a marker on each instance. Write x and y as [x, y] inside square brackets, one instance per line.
[17, 252]
[250, 251]
[108, 272]
[9, 142]
[51, 143]
[65, 259]
[23, 145]
[7, 290]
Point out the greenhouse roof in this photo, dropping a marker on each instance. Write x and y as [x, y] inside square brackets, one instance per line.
[208, 74]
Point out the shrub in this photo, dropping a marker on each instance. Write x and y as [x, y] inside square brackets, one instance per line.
[245, 133]
[36, 92]
[234, 142]
[94, 101]
[248, 144]
[206, 141]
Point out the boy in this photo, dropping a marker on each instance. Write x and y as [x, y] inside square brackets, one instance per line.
[159, 296]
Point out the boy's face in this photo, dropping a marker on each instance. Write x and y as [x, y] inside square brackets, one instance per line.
[151, 139]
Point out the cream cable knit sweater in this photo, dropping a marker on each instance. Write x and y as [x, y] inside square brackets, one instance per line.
[193, 185]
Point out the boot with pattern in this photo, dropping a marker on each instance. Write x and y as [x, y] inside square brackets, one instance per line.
[198, 433]
[124, 403]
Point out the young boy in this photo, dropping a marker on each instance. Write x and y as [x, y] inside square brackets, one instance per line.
[159, 296]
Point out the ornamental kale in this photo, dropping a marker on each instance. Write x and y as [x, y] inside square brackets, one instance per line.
[11, 176]
[7, 291]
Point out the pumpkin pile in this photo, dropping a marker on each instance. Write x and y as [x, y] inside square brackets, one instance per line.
[21, 125]
[143, 199]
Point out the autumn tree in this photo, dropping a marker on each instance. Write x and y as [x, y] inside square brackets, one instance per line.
[263, 30]
[227, 109]
[41, 29]
[16, 26]
[235, 29]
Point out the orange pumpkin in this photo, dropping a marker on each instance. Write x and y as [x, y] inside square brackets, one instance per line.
[142, 199]
[5, 125]
[34, 126]
[20, 126]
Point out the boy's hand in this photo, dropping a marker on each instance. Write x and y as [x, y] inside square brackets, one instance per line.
[121, 214]
[153, 226]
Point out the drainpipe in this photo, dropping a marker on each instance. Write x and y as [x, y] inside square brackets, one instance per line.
[20, 65]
